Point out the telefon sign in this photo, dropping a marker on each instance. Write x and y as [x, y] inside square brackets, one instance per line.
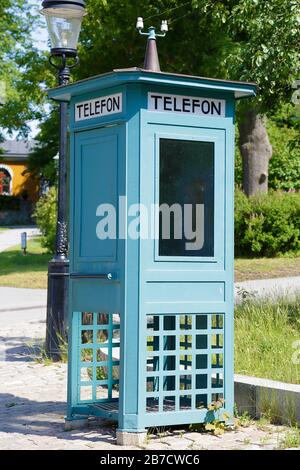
[186, 105]
[98, 107]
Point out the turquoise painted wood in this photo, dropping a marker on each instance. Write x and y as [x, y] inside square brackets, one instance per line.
[151, 322]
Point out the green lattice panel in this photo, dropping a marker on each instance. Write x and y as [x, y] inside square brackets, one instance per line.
[99, 357]
[185, 361]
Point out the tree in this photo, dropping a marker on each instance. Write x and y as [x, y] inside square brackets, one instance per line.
[20, 67]
[109, 40]
[252, 40]
[265, 38]
[41, 161]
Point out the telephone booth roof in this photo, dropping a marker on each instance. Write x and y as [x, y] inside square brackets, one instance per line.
[137, 75]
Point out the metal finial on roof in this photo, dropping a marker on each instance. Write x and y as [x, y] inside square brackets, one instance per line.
[151, 61]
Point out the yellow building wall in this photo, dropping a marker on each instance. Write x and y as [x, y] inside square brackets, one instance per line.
[22, 182]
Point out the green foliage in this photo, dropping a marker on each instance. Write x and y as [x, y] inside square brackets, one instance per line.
[108, 31]
[267, 225]
[290, 440]
[284, 168]
[216, 419]
[267, 339]
[41, 161]
[45, 215]
[21, 66]
[9, 203]
[265, 37]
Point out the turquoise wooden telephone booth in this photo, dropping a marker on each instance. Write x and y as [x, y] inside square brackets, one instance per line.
[151, 300]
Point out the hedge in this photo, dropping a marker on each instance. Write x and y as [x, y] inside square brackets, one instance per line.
[267, 225]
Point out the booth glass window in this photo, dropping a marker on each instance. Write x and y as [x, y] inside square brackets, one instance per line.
[186, 198]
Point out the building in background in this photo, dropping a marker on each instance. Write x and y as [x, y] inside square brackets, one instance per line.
[19, 190]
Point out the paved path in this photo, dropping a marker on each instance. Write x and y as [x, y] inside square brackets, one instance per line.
[33, 405]
[270, 288]
[12, 298]
[12, 237]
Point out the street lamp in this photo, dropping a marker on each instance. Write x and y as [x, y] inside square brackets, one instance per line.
[63, 19]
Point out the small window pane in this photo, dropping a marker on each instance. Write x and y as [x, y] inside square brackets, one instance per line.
[152, 384]
[185, 322]
[186, 362]
[217, 321]
[102, 373]
[201, 361]
[186, 342]
[201, 401]
[185, 402]
[169, 322]
[86, 392]
[201, 322]
[102, 336]
[152, 363]
[201, 381]
[86, 355]
[102, 319]
[86, 336]
[152, 323]
[153, 343]
[169, 383]
[152, 405]
[185, 382]
[169, 363]
[169, 404]
[102, 392]
[87, 318]
[169, 343]
[201, 341]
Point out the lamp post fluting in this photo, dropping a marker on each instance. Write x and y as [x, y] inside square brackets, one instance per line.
[64, 22]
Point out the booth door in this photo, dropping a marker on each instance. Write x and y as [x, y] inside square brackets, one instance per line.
[95, 266]
[186, 300]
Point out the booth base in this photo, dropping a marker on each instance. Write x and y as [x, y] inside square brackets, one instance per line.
[136, 439]
[76, 423]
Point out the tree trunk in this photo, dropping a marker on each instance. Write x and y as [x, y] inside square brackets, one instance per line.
[256, 152]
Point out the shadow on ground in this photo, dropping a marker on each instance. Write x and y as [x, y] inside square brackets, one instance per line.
[21, 348]
[31, 418]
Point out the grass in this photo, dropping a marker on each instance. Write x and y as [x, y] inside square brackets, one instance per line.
[30, 270]
[290, 440]
[267, 339]
[262, 268]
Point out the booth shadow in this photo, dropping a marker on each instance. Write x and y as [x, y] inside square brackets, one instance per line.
[31, 418]
[21, 348]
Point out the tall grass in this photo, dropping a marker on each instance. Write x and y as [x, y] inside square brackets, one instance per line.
[265, 335]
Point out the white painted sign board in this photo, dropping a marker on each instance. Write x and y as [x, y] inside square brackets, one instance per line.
[98, 107]
[186, 104]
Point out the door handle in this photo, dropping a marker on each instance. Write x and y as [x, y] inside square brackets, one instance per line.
[108, 276]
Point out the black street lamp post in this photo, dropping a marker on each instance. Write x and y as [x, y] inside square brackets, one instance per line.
[64, 22]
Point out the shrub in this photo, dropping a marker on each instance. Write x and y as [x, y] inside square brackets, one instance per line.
[45, 215]
[268, 224]
[284, 167]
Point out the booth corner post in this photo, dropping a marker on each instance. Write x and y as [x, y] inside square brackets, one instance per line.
[64, 22]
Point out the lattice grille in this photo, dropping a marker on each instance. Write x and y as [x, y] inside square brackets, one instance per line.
[99, 357]
[184, 368]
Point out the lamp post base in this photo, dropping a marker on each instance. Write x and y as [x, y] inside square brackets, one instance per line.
[57, 307]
